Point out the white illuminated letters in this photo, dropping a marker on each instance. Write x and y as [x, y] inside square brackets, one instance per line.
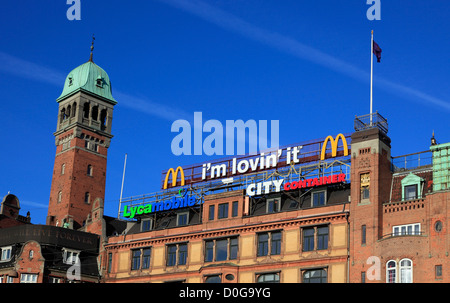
[264, 187]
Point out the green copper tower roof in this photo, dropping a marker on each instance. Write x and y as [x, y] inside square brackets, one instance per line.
[88, 77]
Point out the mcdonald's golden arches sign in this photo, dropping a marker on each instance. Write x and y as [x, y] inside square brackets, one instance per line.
[334, 146]
[174, 174]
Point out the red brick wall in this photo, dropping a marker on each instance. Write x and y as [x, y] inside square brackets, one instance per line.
[75, 182]
[33, 265]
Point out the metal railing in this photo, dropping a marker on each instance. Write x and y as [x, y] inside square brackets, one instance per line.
[395, 235]
[411, 161]
[374, 120]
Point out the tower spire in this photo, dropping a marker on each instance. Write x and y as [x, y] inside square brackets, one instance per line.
[92, 49]
[433, 140]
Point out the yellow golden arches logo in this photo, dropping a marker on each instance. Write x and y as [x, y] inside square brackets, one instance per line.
[174, 177]
[334, 145]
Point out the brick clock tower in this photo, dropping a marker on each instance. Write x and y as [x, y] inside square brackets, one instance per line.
[82, 138]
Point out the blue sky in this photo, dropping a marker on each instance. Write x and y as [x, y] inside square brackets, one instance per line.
[305, 63]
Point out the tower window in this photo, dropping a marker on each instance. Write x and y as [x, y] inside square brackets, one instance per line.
[89, 170]
[95, 113]
[99, 81]
[63, 115]
[86, 110]
[103, 119]
[63, 168]
[365, 187]
[87, 197]
[223, 211]
[74, 109]
[59, 196]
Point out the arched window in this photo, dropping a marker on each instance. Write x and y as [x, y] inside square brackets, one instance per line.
[95, 113]
[74, 109]
[62, 117]
[406, 271]
[391, 271]
[86, 110]
[103, 119]
[59, 196]
[63, 168]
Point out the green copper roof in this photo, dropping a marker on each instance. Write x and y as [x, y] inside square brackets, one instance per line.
[88, 77]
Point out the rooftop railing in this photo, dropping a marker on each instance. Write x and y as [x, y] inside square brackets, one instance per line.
[412, 161]
[373, 120]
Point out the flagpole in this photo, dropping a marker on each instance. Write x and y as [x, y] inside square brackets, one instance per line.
[121, 189]
[371, 77]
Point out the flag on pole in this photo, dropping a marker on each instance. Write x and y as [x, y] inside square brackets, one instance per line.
[377, 51]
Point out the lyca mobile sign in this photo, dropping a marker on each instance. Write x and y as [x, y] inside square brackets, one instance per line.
[180, 201]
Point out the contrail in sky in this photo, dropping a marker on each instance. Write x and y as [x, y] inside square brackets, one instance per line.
[289, 45]
[29, 70]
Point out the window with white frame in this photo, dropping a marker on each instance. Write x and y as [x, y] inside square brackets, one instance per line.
[401, 272]
[407, 229]
[412, 187]
[406, 271]
[5, 253]
[391, 271]
[70, 256]
[28, 278]
[54, 280]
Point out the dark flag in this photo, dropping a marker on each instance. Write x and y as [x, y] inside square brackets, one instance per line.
[377, 51]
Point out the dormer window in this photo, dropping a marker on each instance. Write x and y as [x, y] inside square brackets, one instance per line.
[99, 81]
[412, 187]
[71, 256]
[70, 81]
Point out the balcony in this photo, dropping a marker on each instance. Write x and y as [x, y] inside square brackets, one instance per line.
[391, 207]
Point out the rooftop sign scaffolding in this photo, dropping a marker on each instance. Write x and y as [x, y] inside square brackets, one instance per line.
[295, 162]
